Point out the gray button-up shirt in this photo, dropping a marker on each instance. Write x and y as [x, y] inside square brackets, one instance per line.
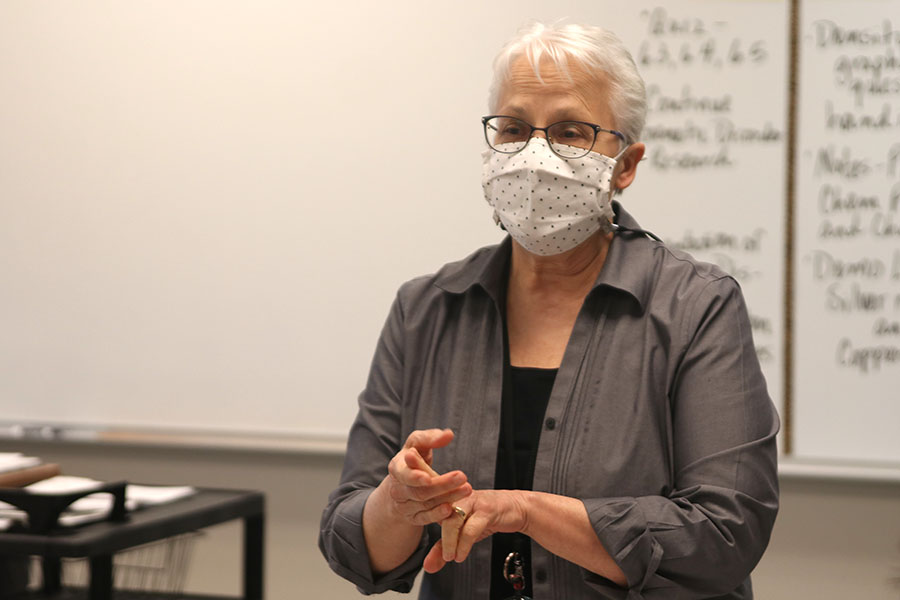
[662, 426]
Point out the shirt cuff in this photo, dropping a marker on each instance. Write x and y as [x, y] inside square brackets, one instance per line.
[623, 530]
[349, 557]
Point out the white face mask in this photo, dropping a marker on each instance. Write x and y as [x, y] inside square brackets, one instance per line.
[549, 204]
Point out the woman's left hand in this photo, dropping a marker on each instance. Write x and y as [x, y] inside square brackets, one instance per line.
[487, 512]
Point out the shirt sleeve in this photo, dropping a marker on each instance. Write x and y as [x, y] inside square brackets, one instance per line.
[374, 439]
[705, 537]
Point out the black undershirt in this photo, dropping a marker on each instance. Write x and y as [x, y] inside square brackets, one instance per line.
[522, 415]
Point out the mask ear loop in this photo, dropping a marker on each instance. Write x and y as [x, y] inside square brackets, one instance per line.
[619, 228]
[612, 227]
[616, 158]
[622, 229]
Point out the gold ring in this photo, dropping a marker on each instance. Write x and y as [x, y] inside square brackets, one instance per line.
[460, 512]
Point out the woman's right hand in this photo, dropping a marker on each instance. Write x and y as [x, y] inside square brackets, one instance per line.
[410, 496]
[418, 494]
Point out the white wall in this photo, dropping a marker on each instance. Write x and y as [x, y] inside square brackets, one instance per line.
[832, 541]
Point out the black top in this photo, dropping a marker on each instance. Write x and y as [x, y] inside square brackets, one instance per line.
[521, 419]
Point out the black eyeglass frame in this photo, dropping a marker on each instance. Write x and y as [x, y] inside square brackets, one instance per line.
[597, 129]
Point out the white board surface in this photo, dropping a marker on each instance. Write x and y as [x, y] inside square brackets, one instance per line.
[207, 207]
[847, 280]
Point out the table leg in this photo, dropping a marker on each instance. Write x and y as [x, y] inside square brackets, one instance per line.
[51, 569]
[101, 577]
[253, 557]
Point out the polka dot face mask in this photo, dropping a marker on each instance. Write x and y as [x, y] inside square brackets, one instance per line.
[548, 204]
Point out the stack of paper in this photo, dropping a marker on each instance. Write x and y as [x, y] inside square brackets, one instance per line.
[94, 507]
[16, 461]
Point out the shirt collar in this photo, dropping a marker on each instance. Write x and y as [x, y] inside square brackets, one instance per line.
[626, 268]
[629, 261]
[488, 267]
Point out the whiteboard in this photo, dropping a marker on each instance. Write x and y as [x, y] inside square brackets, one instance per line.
[847, 233]
[206, 208]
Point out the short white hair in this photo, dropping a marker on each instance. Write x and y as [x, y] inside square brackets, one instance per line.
[595, 49]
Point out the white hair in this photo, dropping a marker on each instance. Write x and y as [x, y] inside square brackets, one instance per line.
[595, 49]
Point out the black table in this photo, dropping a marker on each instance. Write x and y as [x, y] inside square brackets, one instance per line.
[98, 542]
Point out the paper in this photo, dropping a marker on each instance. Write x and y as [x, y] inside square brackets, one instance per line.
[15, 461]
[146, 495]
[63, 484]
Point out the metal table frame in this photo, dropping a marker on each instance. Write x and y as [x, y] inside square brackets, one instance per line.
[98, 542]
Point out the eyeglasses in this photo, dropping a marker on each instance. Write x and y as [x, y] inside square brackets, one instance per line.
[567, 139]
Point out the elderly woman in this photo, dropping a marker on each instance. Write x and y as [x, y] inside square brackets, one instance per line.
[577, 412]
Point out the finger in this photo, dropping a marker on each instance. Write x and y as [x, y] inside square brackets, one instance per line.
[414, 460]
[411, 500]
[450, 532]
[434, 561]
[437, 514]
[471, 532]
[443, 489]
[453, 496]
[409, 467]
[404, 474]
[422, 489]
[433, 510]
[428, 439]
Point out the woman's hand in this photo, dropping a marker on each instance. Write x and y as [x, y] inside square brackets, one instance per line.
[487, 512]
[410, 496]
[419, 495]
[559, 524]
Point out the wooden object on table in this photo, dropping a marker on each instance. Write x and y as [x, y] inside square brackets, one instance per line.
[24, 477]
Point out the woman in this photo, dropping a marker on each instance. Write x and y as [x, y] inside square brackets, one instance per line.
[577, 412]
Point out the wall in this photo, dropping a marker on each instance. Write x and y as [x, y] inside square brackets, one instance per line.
[832, 541]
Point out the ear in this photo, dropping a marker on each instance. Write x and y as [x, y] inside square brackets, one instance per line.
[626, 169]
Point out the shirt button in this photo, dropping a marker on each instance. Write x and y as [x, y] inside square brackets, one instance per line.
[540, 576]
[550, 423]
